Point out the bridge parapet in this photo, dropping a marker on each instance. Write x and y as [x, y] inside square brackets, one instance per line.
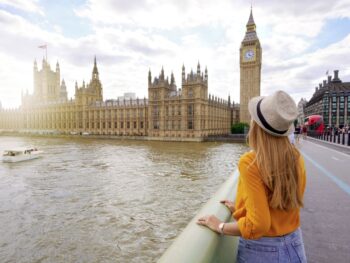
[199, 244]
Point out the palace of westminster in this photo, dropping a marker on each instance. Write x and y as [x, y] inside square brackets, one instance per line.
[169, 113]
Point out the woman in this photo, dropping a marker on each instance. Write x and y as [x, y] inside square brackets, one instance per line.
[270, 188]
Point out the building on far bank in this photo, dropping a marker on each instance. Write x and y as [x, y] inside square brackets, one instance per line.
[301, 107]
[169, 113]
[331, 99]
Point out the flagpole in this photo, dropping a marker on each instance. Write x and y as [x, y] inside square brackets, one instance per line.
[42, 47]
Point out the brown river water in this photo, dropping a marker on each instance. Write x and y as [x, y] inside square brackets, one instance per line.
[90, 200]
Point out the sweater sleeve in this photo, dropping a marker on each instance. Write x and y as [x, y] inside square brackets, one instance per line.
[257, 220]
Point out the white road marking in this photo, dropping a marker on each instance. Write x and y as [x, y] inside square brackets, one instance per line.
[335, 158]
[327, 148]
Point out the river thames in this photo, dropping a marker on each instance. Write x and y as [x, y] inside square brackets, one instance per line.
[91, 200]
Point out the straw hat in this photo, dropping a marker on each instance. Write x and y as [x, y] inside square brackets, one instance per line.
[275, 113]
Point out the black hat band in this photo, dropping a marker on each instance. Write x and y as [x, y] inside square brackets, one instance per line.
[264, 122]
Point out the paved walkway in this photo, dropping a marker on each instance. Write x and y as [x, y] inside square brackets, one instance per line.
[325, 218]
[335, 146]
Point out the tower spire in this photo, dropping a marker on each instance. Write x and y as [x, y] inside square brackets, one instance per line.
[250, 34]
[183, 72]
[251, 24]
[149, 76]
[95, 70]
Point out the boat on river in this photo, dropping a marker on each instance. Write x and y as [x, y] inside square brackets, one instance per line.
[21, 154]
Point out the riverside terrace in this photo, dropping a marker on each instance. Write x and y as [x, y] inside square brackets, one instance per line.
[324, 218]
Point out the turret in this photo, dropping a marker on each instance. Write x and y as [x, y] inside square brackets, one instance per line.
[336, 78]
[206, 74]
[57, 67]
[172, 79]
[172, 82]
[198, 68]
[35, 66]
[162, 74]
[63, 91]
[95, 70]
[183, 73]
[149, 77]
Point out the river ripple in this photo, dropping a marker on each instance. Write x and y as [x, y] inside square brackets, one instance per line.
[105, 200]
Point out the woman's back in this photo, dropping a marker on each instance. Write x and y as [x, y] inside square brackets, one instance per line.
[252, 196]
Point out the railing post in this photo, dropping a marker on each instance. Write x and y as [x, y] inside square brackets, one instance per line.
[330, 137]
[348, 138]
[343, 138]
[334, 137]
[338, 138]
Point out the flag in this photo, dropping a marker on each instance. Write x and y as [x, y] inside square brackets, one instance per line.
[42, 46]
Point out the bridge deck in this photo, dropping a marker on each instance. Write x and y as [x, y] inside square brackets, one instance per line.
[325, 218]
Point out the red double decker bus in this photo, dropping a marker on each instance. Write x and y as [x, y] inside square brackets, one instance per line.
[314, 124]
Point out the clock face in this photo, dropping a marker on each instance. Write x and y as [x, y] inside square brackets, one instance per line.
[249, 54]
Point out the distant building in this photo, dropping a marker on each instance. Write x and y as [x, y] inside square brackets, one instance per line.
[331, 99]
[301, 106]
[128, 96]
[169, 113]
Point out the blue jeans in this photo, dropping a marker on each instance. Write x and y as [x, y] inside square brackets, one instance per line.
[283, 249]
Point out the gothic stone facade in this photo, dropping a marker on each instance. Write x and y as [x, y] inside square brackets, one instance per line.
[169, 113]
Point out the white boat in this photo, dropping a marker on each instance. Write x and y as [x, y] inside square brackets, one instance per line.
[20, 154]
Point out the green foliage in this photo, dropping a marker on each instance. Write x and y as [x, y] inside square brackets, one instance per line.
[238, 128]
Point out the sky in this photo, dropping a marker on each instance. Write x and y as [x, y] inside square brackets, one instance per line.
[301, 40]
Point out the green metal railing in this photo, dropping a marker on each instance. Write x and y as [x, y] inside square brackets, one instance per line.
[199, 244]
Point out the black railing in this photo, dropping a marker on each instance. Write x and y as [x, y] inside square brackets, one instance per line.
[333, 137]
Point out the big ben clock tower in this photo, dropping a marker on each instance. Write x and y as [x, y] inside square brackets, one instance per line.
[250, 68]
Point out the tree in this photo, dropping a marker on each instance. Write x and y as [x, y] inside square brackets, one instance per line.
[240, 128]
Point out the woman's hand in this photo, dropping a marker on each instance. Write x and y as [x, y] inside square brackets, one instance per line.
[229, 204]
[211, 222]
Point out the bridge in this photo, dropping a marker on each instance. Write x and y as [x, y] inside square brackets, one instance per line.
[324, 219]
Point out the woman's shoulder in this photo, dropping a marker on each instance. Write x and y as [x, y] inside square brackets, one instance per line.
[247, 157]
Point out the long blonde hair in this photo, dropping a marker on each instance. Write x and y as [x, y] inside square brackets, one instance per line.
[277, 161]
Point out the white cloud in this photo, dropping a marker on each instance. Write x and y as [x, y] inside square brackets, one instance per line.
[129, 37]
[25, 5]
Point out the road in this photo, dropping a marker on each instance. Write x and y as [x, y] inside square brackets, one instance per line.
[325, 218]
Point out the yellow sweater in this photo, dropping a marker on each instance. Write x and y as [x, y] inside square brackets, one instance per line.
[254, 216]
